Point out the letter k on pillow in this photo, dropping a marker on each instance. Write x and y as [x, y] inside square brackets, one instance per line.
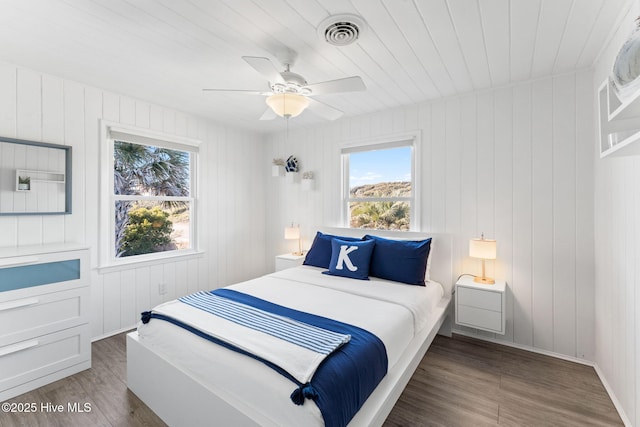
[343, 257]
[350, 259]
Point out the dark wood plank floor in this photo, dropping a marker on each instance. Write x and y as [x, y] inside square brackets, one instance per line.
[460, 382]
[468, 382]
[103, 387]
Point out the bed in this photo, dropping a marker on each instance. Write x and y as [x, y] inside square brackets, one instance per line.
[189, 381]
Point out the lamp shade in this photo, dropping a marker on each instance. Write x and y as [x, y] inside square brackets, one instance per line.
[287, 104]
[482, 248]
[291, 233]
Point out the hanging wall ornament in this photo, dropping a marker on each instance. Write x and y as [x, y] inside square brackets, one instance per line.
[626, 68]
[292, 164]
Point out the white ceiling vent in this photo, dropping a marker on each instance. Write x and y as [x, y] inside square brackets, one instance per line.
[341, 30]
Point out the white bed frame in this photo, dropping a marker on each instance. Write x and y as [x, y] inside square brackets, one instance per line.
[180, 399]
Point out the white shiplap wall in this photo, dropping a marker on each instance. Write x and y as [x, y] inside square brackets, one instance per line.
[514, 163]
[617, 249]
[39, 107]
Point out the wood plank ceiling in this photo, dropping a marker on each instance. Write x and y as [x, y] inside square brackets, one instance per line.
[165, 51]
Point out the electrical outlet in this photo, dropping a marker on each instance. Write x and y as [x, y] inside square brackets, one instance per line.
[162, 288]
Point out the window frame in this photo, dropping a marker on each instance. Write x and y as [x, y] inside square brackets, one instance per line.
[410, 139]
[111, 132]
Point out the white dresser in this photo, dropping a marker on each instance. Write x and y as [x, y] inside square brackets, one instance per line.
[44, 316]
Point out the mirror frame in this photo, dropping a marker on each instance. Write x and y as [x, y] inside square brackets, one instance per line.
[67, 170]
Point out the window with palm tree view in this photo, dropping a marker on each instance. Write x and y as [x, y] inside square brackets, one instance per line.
[152, 196]
[380, 186]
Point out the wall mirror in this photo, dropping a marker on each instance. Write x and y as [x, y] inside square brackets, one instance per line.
[35, 178]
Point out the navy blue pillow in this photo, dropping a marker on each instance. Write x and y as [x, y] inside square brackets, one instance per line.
[350, 259]
[320, 253]
[402, 261]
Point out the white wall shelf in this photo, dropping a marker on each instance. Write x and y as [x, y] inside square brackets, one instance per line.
[39, 176]
[619, 122]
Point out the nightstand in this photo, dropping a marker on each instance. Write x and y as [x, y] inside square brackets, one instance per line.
[285, 261]
[481, 306]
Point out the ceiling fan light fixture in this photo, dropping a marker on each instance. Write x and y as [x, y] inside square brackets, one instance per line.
[287, 104]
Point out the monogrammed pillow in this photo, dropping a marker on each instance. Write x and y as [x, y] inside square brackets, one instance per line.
[350, 259]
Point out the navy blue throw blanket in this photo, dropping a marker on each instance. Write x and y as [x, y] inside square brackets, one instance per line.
[342, 382]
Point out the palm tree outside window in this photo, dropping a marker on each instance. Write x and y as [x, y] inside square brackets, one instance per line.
[379, 189]
[153, 202]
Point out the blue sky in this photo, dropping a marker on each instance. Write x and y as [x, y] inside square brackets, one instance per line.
[372, 167]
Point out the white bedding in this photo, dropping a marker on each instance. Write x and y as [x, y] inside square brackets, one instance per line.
[419, 300]
[393, 312]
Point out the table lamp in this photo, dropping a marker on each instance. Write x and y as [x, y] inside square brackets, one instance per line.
[484, 249]
[293, 233]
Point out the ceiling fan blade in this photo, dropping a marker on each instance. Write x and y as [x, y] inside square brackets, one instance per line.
[265, 67]
[240, 91]
[348, 84]
[323, 110]
[269, 114]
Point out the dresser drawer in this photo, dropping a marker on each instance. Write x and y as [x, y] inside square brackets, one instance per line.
[37, 315]
[24, 275]
[479, 318]
[486, 300]
[30, 360]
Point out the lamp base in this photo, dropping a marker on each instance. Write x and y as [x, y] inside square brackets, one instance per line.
[484, 280]
[297, 253]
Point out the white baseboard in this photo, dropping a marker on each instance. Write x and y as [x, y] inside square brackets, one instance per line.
[594, 365]
[612, 396]
[112, 333]
[526, 348]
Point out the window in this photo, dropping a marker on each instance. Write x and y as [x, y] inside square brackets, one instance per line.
[150, 184]
[379, 182]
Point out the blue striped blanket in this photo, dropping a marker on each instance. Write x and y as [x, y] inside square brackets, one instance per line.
[342, 381]
[302, 334]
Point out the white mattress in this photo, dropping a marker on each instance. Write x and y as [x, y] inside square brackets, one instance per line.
[395, 313]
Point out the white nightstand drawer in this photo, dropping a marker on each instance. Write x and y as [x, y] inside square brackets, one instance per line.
[479, 318]
[479, 298]
[481, 306]
[23, 318]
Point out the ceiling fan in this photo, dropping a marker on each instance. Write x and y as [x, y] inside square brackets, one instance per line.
[289, 93]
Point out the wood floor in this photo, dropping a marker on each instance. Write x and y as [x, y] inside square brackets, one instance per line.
[467, 382]
[460, 382]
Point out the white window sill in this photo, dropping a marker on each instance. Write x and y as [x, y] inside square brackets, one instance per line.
[150, 260]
